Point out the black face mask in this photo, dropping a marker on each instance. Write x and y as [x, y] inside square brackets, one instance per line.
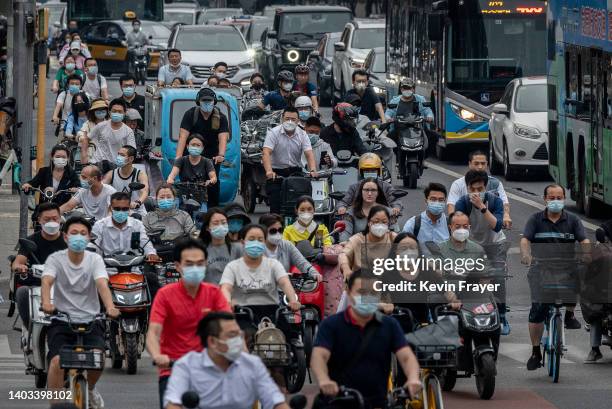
[80, 107]
[257, 86]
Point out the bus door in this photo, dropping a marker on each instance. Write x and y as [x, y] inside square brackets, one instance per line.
[597, 120]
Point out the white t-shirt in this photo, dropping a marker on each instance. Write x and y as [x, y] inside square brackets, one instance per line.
[65, 98]
[459, 189]
[93, 88]
[108, 141]
[95, 206]
[254, 286]
[74, 289]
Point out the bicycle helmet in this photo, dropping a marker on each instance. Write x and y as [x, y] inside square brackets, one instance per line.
[406, 83]
[353, 99]
[302, 102]
[370, 163]
[345, 116]
[302, 69]
[285, 76]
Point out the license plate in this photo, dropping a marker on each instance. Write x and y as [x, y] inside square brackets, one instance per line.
[319, 190]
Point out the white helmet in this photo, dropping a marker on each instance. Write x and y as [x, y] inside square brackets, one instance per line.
[303, 102]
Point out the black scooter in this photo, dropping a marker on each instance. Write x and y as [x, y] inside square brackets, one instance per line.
[411, 148]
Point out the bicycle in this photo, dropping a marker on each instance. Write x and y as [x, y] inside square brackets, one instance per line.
[553, 342]
[79, 358]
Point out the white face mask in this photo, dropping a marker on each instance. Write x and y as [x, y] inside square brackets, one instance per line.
[287, 86]
[234, 348]
[220, 75]
[289, 126]
[51, 228]
[275, 239]
[379, 229]
[305, 217]
[461, 234]
[60, 162]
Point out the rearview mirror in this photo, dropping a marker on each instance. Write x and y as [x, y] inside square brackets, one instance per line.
[271, 34]
[339, 46]
[314, 54]
[501, 109]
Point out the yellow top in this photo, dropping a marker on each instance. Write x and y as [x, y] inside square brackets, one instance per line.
[296, 232]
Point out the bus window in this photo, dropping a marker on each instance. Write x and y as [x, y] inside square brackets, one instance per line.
[608, 88]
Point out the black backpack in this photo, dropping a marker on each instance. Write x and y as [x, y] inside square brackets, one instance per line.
[292, 188]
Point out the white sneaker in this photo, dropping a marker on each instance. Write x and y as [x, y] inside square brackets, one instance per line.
[95, 399]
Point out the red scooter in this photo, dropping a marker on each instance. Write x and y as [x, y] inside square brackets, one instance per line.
[310, 292]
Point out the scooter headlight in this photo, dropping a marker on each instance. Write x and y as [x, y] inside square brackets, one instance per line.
[309, 286]
[411, 143]
[480, 322]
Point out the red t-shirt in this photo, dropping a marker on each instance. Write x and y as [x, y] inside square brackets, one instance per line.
[179, 314]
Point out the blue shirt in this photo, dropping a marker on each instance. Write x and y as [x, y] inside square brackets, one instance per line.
[423, 110]
[494, 204]
[167, 75]
[342, 337]
[430, 231]
[369, 99]
[275, 100]
[73, 127]
[308, 89]
[246, 380]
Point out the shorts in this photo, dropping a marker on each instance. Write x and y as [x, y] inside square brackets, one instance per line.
[59, 335]
[539, 311]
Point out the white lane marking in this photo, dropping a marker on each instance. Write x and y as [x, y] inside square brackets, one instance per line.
[520, 352]
[511, 195]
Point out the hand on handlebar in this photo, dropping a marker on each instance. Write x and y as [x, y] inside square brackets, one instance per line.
[20, 268]
[341, 211]
[162, 361]
[455, 305]
[295, 306]
[413, 386]
[329, 387]
[271, 175]
[153, 258]
[48, 308]
[113, 313]
[395, 211]
[26, 187]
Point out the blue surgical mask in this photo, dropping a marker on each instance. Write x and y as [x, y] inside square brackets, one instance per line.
[304, 115]
[128, 91]
[93, 70]
[73, 89]
[194, 150]
[85, 184]
[165, 204]
[120, 216]
[120, 161]
[407, 93]
[116, 117]
[194, 274]
[435, 208]
[220, 231]
[364, 307]
[254, 248]
[77, 243]
[235, 225]
[70, 66]
[555, 206]
[207, 107]
[100, 114]
[314, 138]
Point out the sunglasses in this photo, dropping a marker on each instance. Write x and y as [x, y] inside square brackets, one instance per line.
[121, 209]
[274, 231]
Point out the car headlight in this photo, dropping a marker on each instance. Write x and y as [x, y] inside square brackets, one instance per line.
[379, 90]
[356, 63]
[245, 83]
[526, 131]
[247, 65]
[466, 114]
[293, 55]
[251, 52]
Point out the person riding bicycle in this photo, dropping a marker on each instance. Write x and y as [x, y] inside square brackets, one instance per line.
[178, 308]
[305, 87]
[77, 116]
[93, 197]
[79, 280]
[227, 376]
[175, 222]
[278, 100]
[253, 280]
[303, 105]
[124, 174]
[370, 166]
[354, 348]
[48, 240]
[60, 83]
[135, 39]
[282, 155]
[553, 225]
[63, 103]
[55, 177]
[342, 134]
[257, 92]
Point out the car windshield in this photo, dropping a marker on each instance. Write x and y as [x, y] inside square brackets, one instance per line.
[531, 98]
[257, 28]
[179, 16]
[312, 23]
[155, 30]
[210, 40]
[368, 38]
[379, 63]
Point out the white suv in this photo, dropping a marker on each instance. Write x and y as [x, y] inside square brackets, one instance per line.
[518, 128]
[358, 38]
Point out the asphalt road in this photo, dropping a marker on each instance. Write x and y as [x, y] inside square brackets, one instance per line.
[581, 386]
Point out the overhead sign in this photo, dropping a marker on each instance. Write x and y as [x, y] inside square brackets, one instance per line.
[512, 7]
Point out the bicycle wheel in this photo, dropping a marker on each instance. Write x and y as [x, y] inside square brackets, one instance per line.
[557, 349]
[79, 392]
[432, 393]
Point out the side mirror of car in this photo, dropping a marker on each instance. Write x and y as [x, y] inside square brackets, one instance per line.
[272, 34]
[339, 46]
[501, 109]
[314, 55]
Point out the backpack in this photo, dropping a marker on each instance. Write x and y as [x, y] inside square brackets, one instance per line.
[292, 188]
[216, 118]
[417, 225]
[270, 344]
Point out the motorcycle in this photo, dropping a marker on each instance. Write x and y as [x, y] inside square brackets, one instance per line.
[131, 296]
[166, 270]
[411, 150]
[34, 336]
[140, 64]
[381, 145]
[48, 195]
[192, 195]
